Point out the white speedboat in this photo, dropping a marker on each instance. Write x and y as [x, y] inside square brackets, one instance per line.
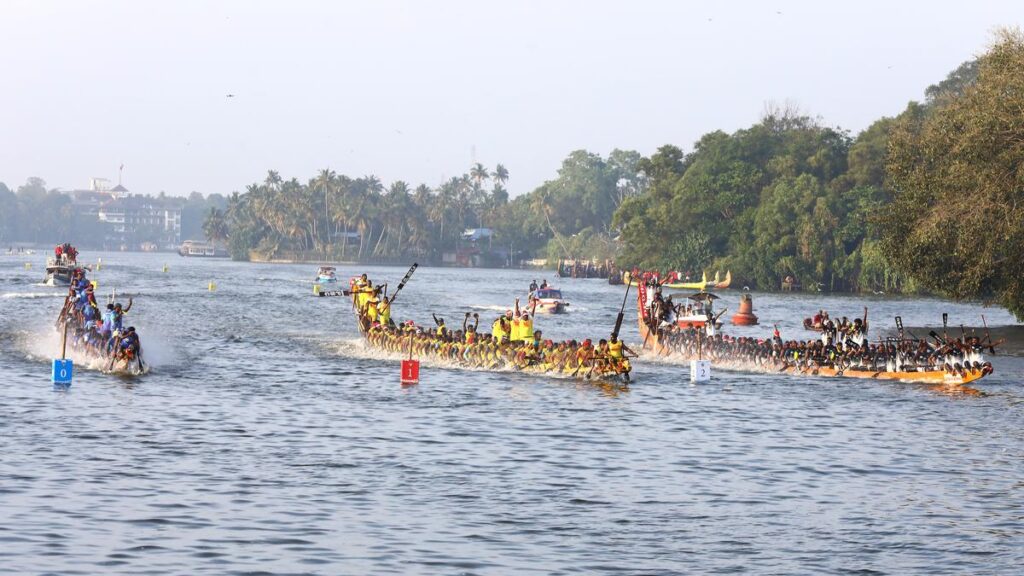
[549, 301]
[326, 275]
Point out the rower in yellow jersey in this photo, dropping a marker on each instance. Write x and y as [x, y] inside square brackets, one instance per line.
[469, 330]
[616, 348]
[384, 311]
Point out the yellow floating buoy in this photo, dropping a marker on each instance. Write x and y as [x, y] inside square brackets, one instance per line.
[28, 265]
[212, 287]
[165, 268]
[316, 289]
[95, 284]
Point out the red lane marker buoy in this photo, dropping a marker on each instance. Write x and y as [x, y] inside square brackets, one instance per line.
[410, 372]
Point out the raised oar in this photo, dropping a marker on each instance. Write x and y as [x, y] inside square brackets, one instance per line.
[988, 336]
[622, 310]
[402, 283]
[945, 320]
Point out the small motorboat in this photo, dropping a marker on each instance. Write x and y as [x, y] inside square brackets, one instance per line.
[326, 275]
[549, 300]
[60, 271]
[699, 313]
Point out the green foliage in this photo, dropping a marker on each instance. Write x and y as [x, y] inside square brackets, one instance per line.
[776, 199]
[215, 227]
[35, 214]
[583, 245]
[571, 215]
[339, 217]
[956, 225]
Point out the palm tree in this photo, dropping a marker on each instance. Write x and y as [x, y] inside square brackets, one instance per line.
[541, 205]
[215, 227]
[500, 175]
[325, 183]
[478, 173]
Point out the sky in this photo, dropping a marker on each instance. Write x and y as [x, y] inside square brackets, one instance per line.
[418, 91]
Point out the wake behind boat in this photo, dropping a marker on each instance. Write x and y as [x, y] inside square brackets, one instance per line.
[513, 344]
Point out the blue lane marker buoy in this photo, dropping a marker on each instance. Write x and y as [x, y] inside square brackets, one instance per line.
[63, 367]
[63, 370]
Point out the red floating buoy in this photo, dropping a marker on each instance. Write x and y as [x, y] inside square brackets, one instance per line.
[410, 372]
[745, 317]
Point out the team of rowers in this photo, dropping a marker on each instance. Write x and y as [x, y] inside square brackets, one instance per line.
[95, 332]
[955, 356]
[512, 343]
[843, 345]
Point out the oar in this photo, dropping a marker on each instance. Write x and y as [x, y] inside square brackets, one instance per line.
[988, 336]
[622, 311]
[404, 280]
[113, 353]
[945, 320]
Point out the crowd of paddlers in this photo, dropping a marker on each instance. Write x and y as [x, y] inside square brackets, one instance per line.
[954, 356]
[843, 345]
[99, 332]
[512, 343]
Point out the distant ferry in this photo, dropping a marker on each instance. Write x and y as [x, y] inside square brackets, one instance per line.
[201, 249]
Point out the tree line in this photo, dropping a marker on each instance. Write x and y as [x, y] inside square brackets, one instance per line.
[341, 217]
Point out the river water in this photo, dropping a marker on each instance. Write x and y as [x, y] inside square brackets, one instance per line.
[268, 440]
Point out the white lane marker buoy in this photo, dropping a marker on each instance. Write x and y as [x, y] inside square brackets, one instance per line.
[700, 369]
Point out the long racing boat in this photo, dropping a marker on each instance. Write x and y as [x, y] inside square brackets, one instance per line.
[468, 348]
[98, 337]
[774, 356]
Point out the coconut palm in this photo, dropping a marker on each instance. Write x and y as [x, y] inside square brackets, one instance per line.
[500, 175]
[326, 183]
[215, 227]
[478, 173]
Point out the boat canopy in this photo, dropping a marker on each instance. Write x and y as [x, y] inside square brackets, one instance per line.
[548, 293]
[702, 297]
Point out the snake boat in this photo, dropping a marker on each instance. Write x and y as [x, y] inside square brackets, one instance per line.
[954, 378]
[478, 351]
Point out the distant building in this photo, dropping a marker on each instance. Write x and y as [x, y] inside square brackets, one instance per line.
[130, 222]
